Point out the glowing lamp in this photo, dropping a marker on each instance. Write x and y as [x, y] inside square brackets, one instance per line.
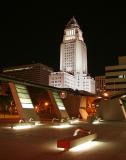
[46, 103]
[106, 94]
[63, 94]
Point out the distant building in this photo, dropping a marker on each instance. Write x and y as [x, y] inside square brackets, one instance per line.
[37, 72]
[73, 61]
[115, 80]
[99, 84]
[61, 80]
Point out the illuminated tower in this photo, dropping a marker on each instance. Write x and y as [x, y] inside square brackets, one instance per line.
[73, 51]
[73, 61]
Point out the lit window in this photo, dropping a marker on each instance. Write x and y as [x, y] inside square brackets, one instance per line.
[120, 76]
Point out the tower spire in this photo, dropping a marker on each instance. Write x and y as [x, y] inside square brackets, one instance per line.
[72, 23]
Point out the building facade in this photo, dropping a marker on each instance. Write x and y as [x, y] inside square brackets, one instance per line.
[115, 77]
[62, 80]
[73, 50]
[73, 61]
[37, 73]
[100, 84]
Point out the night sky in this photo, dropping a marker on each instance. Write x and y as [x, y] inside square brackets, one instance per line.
[32, 33]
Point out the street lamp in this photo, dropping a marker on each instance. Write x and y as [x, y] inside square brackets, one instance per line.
[105, 95]
[46, 103]
[63, 94]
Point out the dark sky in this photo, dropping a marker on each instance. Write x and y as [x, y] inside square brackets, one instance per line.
[32, 32]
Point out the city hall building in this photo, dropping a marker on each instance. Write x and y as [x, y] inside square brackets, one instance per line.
[73, 61]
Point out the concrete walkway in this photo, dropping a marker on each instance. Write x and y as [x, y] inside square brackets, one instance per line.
[40, 143]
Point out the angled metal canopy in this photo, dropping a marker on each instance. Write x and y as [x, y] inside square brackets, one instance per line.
[6, 78]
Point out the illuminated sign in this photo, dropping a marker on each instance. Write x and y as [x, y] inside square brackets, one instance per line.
[24, 96]
[58, 101]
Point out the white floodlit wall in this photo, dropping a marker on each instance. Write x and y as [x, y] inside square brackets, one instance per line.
[89, 84]
[61, 80]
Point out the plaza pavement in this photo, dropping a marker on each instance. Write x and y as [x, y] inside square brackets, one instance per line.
[40, 142]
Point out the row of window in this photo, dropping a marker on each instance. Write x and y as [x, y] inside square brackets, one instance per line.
[55, 78]
[116, 76]
[70, 32]
[69, 44]
[69, 48]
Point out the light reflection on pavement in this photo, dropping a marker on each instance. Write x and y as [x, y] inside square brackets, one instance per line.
[40, 143]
